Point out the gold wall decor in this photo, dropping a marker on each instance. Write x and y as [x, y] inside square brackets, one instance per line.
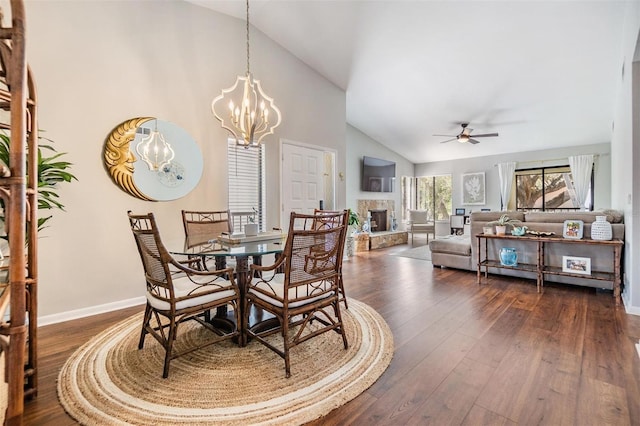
[173, 180]
[119, 159]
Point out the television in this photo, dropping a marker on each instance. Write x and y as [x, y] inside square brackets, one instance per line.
[378, 175]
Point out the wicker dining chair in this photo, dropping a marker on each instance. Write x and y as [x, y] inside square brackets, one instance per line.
[326, 219]
[177, 293]
[203, 226]
[303, 299]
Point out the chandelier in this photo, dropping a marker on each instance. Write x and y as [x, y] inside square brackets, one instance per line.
[154, 150]
[250, 114]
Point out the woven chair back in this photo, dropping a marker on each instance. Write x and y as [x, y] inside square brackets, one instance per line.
[202, 226]
[313, 256]
[153, 254]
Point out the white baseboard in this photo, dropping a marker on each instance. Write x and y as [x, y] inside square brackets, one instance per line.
[92, 310]
[628, 307]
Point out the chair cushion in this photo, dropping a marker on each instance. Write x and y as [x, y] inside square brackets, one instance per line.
[183, 286]
[418, 216]
[276, 286]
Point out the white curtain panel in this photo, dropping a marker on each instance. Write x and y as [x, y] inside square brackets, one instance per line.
[506, 172]
[581, 166]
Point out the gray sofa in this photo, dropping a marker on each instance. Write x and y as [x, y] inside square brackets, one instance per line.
[460, 252]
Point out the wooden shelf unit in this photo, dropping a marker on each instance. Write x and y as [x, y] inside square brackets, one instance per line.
[540, 268]
[19, 192]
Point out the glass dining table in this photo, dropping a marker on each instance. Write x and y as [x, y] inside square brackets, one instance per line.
[219, 251]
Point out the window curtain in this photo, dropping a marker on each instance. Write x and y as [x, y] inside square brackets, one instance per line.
[506, 172]
[581, 166]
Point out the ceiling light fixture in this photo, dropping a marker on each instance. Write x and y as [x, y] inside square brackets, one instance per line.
[248, 117]
[155, 151]
[463, 138]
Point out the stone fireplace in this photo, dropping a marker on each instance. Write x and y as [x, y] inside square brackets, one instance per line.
[381, 235]
[378, 220]
[379, 211]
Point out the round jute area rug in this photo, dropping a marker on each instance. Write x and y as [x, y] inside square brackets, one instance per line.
[109, 381]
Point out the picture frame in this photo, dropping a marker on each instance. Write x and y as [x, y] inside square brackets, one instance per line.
[573, 229]
[473, 188]
[460, 211]
[375, 184]
[576, 265]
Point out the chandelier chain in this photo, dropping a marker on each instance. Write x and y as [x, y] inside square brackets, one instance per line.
[248, 37]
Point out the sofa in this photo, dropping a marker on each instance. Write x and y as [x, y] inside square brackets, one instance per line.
[460, 252]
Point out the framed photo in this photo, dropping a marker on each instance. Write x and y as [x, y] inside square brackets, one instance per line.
[473, 189]
[375, 184]
[576, 265]
[573, 229]
[460, 211]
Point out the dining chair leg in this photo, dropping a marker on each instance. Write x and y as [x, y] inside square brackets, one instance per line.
[145, 323]
[342, 292]
[169, 347]
[285, 333]
[342, 332]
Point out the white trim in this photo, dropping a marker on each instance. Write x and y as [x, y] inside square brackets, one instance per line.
[92, 310]
[628, 307]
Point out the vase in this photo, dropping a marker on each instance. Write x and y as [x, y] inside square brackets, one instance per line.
[508, 256]
[601, 229]
[251, 229]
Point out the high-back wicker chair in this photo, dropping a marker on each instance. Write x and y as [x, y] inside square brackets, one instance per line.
[201, 226]
[326, 219]
[179, 293]
[304, 299]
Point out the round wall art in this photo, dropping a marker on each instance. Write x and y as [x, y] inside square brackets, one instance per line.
[163, 181]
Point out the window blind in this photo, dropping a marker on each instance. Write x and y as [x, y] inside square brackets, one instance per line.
[246, 180]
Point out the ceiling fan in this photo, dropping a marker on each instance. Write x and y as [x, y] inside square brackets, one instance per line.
[465, 135]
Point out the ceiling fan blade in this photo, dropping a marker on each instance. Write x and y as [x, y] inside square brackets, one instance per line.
[447, 136]
[473, 141]
[449, 140]
[485, 135]
[466, 131]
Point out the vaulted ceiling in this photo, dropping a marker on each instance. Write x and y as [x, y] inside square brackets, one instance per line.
[542, 74]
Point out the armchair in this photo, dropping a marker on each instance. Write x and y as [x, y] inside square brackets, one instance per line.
[303, 299]
[419, 222]
[177, 293]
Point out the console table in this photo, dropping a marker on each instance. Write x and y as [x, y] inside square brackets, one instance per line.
[540, 268]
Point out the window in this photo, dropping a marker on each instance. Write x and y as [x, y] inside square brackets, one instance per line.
[430, 193]
[548, 189]
[246, 180]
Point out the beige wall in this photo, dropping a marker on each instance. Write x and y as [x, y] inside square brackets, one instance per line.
[99, 63]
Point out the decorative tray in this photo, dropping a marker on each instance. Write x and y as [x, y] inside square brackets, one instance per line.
[262, 236]
[541, 233]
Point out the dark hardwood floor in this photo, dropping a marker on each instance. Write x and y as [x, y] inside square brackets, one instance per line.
[499, 354]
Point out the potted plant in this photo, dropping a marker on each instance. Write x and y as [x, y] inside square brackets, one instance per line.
[353, 222]
[502, 223]
[51, 171]
[251, 228]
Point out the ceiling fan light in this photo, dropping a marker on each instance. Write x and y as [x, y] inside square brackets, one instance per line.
[463, 138]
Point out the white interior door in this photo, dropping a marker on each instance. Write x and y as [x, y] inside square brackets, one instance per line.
[302, 180]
